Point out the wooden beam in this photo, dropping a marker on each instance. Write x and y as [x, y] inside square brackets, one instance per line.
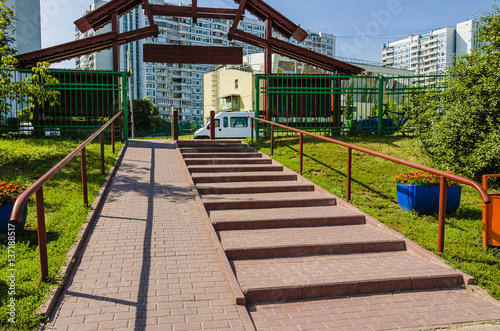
[192, 54]
[194, 5]
[149, 14]
[239, 14]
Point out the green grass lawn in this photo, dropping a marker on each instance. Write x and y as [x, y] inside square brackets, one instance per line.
[373, 192]
[24, 160]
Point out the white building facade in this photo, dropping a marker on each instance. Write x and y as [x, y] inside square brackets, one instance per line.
[430, 53]
[173, 86]
[27, 34]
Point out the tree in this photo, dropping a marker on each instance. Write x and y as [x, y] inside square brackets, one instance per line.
[460, 124]
[146, 115]
[30, 90]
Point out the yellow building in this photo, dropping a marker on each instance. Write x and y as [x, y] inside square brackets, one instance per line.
[227, 90]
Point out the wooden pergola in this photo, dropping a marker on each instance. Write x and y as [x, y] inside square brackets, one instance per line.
[111, 11]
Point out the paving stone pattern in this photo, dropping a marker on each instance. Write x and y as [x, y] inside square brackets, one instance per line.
[149, 263]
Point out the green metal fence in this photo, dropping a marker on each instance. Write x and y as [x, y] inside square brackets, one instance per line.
[186, 131]
[87, 100]
[328, 104]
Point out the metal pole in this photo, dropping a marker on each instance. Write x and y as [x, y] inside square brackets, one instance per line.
[257, 104]
[42, 234]
[113, 137]
[272, 138]
[251, 130]
[84, 177]
[102, 152]
[301, 152]
[485, 215]
[349, 164]
[212, 125]
[175, 131]
[442, 213]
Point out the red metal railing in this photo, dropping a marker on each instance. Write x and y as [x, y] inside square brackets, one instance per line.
[37, 189]
[443, 175]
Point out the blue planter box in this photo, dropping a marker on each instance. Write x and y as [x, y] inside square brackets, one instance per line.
[425, 199]
[5, 211]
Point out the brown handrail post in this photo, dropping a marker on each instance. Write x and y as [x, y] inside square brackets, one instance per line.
[212, 125]
[442, 207]
[83, 158]
[349, 164]
[272, 139]
[442, 213]
[175, 129]
[102, 152]
[113, 137]
[251, 130]
[42, 234]
[301, 152]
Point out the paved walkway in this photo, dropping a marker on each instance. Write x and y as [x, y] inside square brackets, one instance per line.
[149, 262]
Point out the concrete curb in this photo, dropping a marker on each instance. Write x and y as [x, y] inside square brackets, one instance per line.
[47, 307]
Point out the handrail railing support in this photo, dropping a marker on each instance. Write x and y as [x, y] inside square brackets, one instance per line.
[42, 234]
[272, 139]
[113, 136]
[443, 186]
[443, 175]
[301, 153]
[175, 129]
[101, 138]
[212, 125]
[83, 160]
[348, 174]
[37, 189]
[251, 130]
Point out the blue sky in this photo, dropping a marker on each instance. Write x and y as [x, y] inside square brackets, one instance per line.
[361, 26]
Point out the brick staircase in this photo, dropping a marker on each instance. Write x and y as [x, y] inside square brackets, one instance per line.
[288, 240]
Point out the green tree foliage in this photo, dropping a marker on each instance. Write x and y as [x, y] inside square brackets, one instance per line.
[460, 124]
[30, 90]
[146, 115]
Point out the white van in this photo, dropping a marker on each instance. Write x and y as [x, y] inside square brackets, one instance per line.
[228, 125]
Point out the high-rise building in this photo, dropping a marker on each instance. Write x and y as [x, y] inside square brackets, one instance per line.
[430, 53]
[180, 86]
[27, 29]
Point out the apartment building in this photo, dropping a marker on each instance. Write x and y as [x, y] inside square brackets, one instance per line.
[173, 86]
[430, 53]
[27, 29]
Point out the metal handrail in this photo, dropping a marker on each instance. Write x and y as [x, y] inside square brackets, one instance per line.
[442, 174]
[37, 189]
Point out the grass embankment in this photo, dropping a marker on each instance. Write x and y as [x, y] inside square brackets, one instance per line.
[374, 193]
[24, 161]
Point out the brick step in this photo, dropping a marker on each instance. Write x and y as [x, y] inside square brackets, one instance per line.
[221, 155]
[253, 187]
[266, 200]
[204, 142]
[234, 168]
[232, 149]
[206, 161]
[302, 278]
[242, 177]
[239, 219]
[289, 242]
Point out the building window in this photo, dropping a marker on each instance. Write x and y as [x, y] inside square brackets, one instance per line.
[235, 84]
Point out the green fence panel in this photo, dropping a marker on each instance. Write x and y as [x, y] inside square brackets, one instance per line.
[87, 100]
[328, 104]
